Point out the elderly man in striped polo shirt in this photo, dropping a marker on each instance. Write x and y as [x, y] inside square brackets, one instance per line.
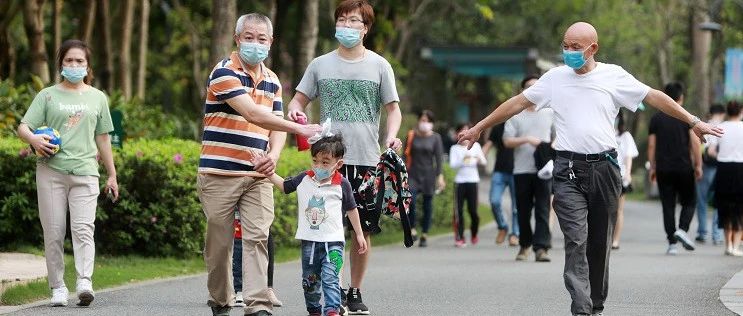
[243, 122]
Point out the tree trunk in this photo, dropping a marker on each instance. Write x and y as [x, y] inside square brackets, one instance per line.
[57, 22]
[8, 10]
[195, 43]
[125, 54]
[33, 23]
[106, 48]
[308, 34]
[143, 35]
[224, 16]
[85, 32]
[701, 44]
[279, 48]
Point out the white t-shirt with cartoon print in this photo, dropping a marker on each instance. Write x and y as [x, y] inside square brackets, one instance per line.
[321, 206]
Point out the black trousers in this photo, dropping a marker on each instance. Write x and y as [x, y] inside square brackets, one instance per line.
[533, 193]
[467, 192]
[586, 206]
[673, 186]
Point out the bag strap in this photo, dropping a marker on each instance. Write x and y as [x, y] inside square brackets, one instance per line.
[409, 148]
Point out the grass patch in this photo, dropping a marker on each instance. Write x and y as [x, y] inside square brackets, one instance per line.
[114, 271]
[109, 272]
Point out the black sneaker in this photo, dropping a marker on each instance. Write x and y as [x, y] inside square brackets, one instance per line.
[221, 310]
[344, 301]
[423, 242]
[259, 313]
[355, 304]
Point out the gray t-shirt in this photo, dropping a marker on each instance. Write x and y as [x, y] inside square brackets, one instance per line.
[352, 94]
[528, 123]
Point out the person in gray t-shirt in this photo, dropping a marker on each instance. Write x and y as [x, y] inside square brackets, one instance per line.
[524, 132]
[352, 84]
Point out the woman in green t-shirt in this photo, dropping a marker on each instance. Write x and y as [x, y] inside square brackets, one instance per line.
[70, 177]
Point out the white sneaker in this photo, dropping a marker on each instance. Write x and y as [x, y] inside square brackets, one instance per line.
[684, 239]
[59, 296]
[672, 250]
[239, 300]
[85, 293]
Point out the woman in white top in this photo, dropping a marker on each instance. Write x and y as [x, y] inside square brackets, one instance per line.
[626, 151]
[465, 162]
[728, 191]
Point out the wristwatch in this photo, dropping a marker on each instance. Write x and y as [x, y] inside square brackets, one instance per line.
[694, 122]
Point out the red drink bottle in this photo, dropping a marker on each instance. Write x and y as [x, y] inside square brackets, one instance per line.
[302, 143]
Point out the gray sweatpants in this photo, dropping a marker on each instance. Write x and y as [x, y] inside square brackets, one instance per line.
[586, 208]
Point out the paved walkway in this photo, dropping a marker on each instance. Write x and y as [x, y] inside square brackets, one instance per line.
[480, 280]
[18, 268]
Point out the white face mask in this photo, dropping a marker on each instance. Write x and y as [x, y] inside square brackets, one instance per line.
[425, 127]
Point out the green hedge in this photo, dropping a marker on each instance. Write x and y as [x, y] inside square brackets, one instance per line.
[159, 213]
[140, 120]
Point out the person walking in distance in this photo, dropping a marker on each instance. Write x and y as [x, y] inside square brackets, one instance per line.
[501, 179]
[586, 96]
[704, 186]
[465, 161]
[424, 159]
[626, 151]
[728, 191]
[524, 132]
[675, 161]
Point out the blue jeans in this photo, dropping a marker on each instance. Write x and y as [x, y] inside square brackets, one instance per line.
[237, 263]
[500, 181]
[321, 265]
[427, 210]
[704, 191]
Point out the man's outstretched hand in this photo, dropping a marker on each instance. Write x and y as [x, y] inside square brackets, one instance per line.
[469, 136]
[704, 128]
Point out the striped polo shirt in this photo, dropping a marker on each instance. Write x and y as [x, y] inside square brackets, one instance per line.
[229, 141]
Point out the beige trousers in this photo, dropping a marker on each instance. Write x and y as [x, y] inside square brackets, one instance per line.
[57, 192]
[254, 197]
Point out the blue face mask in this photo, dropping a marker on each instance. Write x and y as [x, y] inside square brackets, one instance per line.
[253, 53]
[574, 58]
[74, 74]
[321, 174]
[347, 36]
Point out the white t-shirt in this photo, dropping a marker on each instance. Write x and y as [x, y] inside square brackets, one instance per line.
[730, 145]
[466, 161]
[626, 149]
[586, 105]
[321, 206]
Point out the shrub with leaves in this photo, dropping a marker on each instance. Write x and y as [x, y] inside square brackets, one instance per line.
[158, 213]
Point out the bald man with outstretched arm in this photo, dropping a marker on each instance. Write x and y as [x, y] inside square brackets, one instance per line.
[586, 97]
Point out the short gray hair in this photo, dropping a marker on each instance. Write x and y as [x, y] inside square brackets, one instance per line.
[253, 17]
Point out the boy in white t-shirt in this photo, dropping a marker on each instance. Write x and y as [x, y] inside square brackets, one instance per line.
[323, 196]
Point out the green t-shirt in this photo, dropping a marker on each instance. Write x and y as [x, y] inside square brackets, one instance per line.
[79, 117]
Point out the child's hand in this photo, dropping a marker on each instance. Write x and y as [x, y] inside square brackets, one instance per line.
[361, 241]
[263, 164]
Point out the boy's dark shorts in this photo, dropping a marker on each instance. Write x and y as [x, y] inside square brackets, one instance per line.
[369, 217]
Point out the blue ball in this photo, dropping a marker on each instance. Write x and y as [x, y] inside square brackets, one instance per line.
[53, 133]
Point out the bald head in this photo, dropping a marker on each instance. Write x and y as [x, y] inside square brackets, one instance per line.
[581, 37]
[582, 32]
